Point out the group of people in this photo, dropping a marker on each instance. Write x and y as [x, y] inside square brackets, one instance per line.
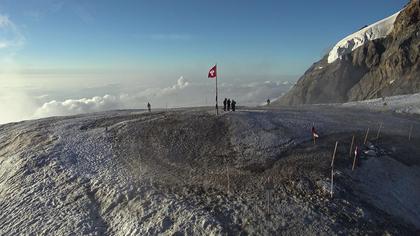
[228, 104]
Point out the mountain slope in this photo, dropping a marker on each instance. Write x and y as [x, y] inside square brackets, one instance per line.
[189, 172]
[382, 59]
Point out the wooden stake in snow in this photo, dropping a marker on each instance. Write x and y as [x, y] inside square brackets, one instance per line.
[356, 152]
[269, 188]
[379, 131]
[351, 146]
[333, 157]
[332, 169]
[409, 133]
[332, 181]
[228, 179]
[366, 136]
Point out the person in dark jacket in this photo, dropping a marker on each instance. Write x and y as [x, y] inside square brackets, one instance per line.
[233, 105]
[224, 104]
[268, 102]
[228, 104]
[149, 107]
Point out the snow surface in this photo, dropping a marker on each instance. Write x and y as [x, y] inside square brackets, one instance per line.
[377, 30]
[163, 173]
[400, 104]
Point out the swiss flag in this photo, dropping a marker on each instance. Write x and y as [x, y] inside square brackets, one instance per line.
[314, 133]
[213, 72]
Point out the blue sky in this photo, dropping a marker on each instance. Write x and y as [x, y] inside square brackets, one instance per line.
[245, 37]
[60, 57]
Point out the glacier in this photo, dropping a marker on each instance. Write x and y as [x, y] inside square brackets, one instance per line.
[378, 30]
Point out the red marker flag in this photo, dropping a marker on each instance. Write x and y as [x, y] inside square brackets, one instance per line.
[213, 72]
[314, 133]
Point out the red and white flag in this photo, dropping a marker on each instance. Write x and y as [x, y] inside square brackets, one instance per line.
[314, 133]
[213, 72]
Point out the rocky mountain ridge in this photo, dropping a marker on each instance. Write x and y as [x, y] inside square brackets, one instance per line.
[384, 66]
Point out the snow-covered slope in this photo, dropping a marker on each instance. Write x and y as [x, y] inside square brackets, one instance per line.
[401, 104]
[377, 30]
[188, 172]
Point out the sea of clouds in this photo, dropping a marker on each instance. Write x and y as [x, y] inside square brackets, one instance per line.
[21, 105]
[24, 98]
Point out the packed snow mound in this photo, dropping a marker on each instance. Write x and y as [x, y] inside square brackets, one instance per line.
[378, 30]
[401, 104]
[189, 172]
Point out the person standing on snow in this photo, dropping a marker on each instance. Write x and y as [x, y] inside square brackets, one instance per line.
[224, 104]
[233, 105]
[268, 102]
[228, 104]
[149, 107]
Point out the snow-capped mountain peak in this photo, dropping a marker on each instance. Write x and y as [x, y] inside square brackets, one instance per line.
[380, 29]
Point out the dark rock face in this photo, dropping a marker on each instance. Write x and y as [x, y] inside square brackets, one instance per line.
[383, 67]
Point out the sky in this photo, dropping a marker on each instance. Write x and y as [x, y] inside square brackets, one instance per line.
[59, 50]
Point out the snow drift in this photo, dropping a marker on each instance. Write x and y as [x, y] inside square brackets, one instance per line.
[401, 104]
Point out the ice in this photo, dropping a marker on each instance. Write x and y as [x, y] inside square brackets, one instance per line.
[380, 29]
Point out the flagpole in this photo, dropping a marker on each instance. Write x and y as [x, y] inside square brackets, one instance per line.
[217, 104]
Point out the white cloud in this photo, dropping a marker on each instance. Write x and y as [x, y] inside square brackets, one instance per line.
[78, 106]
[150, 93]
[182, 83]
[36, 103]
[10, 36]
[3, 45]
[181, 94]
[15, 105]
[109, 102]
